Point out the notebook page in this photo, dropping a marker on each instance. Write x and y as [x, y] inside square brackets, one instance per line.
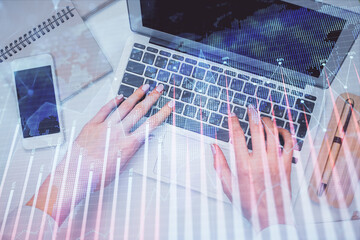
[77, 56]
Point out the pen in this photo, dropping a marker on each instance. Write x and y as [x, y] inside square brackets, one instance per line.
[336, 144]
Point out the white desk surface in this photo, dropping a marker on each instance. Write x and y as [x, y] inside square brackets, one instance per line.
[181, 216]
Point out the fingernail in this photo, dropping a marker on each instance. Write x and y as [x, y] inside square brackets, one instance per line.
[146, 87]
[213, 150]
[119, 97]
[159, 88]
[254, 114]
[232, 114]
[171, 104]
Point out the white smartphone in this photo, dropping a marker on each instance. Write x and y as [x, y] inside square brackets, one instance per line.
[38, 101]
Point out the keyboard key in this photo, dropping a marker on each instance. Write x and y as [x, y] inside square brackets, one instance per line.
[249, 145]
[249, 88]
[239, 99]
[282, 89]
[138, 45]
[200, 100]
[166, 54]
[188, 83]
[299, 144]
[224, 81]
[262, 92]
[304, 118]
[211, 77]
[224, 108]
[304, 105]
[240, 112]
[163, 76]
[293, 115]
[204, 65]
[213, 104]
[217, 69]
[191, 61]
[175, 79]
[125, 90]
[186, 69]
[237, 84]
[187, 96]
[222, 135]
[133, 80]
[252, 101]
[135, 67]
[199, 73]
[230, 73]
[279, 122]
[201, 87]
[190, 111]
[179, 106]
[152, 84]
[279, 111]
[244, 77]
[297, 93]
[275, 96]
[178, 121]
[270, 85]
[225, 94]
[310, 97]
[177, 57]
[136, 54]
[192, 125]
[150, 72]
[265, 107]
[203, 115]
[174, 93]
[215, 119]
[244, 126]
[162, 101]
[290, 101]
[151, 49]
[215, 132]
[225, 123]
[288, 127]
[148, 58]
[257, 81]
[166, 89]
[213, 91]
[302, 131]
[173, 66]
[161, 62]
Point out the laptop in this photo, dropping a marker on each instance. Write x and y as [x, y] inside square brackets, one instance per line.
[218, 56]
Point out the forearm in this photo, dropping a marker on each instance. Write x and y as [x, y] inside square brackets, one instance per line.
[65, 188]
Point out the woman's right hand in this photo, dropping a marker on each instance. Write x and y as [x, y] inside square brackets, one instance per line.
[262, 176]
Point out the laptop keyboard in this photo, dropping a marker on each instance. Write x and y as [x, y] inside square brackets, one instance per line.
[204, 94]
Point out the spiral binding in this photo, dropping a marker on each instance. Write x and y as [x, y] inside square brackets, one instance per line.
[37, 32]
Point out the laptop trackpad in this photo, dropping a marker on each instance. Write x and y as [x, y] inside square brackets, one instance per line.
[187, 162]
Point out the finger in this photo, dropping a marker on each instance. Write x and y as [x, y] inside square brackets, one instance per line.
[142, 108]
[256, 130]
[104, 112]
[222, 170]
[129, 104]
[272, 138]
[237, 137]
[288, 143]
[154, 121]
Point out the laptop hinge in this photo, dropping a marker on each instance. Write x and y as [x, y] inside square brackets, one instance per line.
[226, 62]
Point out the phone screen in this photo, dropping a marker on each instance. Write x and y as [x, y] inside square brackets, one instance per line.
[37, 102]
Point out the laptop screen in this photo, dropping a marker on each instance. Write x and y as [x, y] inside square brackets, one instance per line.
[266, 30]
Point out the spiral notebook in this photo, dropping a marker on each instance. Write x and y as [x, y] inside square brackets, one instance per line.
[56, 28]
